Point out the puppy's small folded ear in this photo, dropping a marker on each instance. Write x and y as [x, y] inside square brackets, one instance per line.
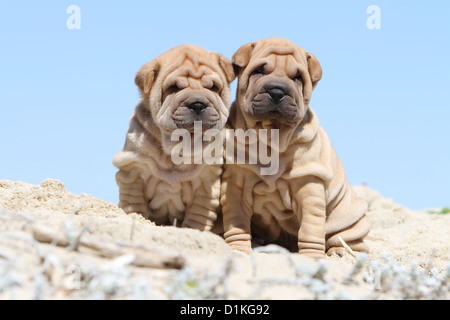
[227, 68]
[241, 58]
[314, 69]
[146, 75]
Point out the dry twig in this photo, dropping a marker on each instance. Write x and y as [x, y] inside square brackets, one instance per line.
[347, 247]
[143, 256]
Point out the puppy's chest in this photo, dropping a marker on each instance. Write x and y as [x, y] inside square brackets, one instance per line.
[172, 196]
[275, 197]
[176, 195]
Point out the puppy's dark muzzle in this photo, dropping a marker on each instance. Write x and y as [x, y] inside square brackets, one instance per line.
[276, 94]
[277, 91]
[197, 107]
[275, 102]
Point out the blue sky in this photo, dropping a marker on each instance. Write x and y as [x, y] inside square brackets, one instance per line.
[66, 95]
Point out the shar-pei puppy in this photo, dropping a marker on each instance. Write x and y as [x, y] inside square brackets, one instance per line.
[307, 203]
[181, 88]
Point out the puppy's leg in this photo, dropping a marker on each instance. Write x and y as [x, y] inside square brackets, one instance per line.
[236, 213]
[132, 193]
[312, 216]
[202, 214]
[353, 236]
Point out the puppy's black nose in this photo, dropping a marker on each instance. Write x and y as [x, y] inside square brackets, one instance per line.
[276, 94]
[198, 107]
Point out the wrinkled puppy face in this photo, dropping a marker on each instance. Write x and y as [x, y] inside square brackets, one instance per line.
[276, 79]
[187, 84]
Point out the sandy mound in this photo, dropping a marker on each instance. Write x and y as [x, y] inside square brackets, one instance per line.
[58, 245]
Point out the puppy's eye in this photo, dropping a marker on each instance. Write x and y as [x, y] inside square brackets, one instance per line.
[258, 71]
[298, 77]
[214, 88]
[173, 88]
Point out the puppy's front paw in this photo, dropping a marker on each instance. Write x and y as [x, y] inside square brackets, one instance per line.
[242, 246]
[338, 251]
[312, 253]
[205, 225]
[240, 242]
[139, 208]
[132, 207]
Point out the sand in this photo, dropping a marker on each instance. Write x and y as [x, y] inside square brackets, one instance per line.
[100, 250]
